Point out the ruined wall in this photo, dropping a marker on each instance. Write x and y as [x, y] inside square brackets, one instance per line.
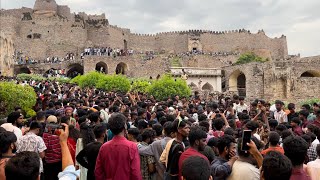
[6, 54]
[172, 42]
[142, 43]
[243, 42]
[64, 11]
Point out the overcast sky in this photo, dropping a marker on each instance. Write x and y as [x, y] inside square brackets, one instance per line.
[298, 20]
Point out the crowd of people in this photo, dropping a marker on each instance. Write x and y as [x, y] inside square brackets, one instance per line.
[106, 51]
[92, 134]
[29, 60]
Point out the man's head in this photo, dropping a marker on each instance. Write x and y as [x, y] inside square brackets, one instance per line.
[226, 144]
[197, 138]
[306, 107]
[100, 131]
[41, 116]
[279, 105]
[252, 125]
[275, 166]
[181, 127]
[168, 129]
[24, 165]
[195, 168]
[7, 140]
[148, 136]
[295, 122]
[133, 134]
[303, 115]
[318, 150]
[274, 138]
[295, 148]
[15, 118]
[291, 107]
[117, 123]
[35, 127]
[69, 111]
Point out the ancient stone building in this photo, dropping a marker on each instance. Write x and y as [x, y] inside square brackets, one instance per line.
[51, 30]
[6, 54]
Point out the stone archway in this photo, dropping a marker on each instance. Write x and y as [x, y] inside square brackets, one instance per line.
[23, 70]
[207, 87]
[237, 83]
[102, 67]
[310, 73]
[122, 68]
[75, 70]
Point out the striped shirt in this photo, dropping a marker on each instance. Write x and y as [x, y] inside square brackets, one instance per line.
[53, 153]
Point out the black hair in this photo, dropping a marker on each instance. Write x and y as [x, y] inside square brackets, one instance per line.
[273, 123]
[99, 130]
[82, 119]
[205, 124]
[196, 168]
[170, 117]
[304, 113]
[307, 106]
[229, 131]
[225, 141]
[13, 117]
[24, 165]
[117, 123]
[176, 123]
[81, 112]
[252, 125]
[141, 111]
[281, 128]
[274, 138]
[291, 106]
[295, 148]
[142, 124]
[65, 120]
[213, 142]
[134, 132]
[202, 117]
[86, 133]
[307, 138]
[217, 124]
[168, 128]
[158, 129]
[35, 125]
[94, 117]
[196, 133]
[41, 115]
[286, 133]
[276, 166]
[147, 133]
[163, 120]
[296, 120]
[6, 139]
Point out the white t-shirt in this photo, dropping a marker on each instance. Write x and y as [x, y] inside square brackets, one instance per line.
[244, 170]
[12, 128]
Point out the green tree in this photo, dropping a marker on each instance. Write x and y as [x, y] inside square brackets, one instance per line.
[90, 79]
[140, 86]
[168, 86]
[114, 83]
[12, 95]
[249, 57]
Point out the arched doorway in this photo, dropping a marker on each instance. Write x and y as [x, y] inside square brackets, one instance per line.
[74, 70]
[102, 67]
[23, 70]
[237, 83]
[122, 68]
[310, 73]
[51, 72]
[207, 87]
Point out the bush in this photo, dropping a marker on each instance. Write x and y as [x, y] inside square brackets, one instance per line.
[90, 79]
[76, 80]
[140, 86]
[28, 77]
[12, 95]
[114, 83]
[60, 79]
[249, 57]
[168, 86]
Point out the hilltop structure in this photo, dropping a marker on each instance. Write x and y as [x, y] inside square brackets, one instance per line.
[50, 30]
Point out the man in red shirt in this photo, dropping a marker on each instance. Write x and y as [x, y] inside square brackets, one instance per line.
[197, 138]
[118, 158]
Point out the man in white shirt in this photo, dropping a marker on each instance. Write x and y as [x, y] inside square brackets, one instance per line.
[279, 114]
[313, 167]
[241, 106]
[14, 121]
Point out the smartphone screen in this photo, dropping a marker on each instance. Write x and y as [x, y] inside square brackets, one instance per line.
[246, 137]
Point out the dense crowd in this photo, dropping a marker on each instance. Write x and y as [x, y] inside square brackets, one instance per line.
[55, 59]
[106, 51]
[92, 134]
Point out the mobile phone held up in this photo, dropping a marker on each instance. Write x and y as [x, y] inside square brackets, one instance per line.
[246, 137]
